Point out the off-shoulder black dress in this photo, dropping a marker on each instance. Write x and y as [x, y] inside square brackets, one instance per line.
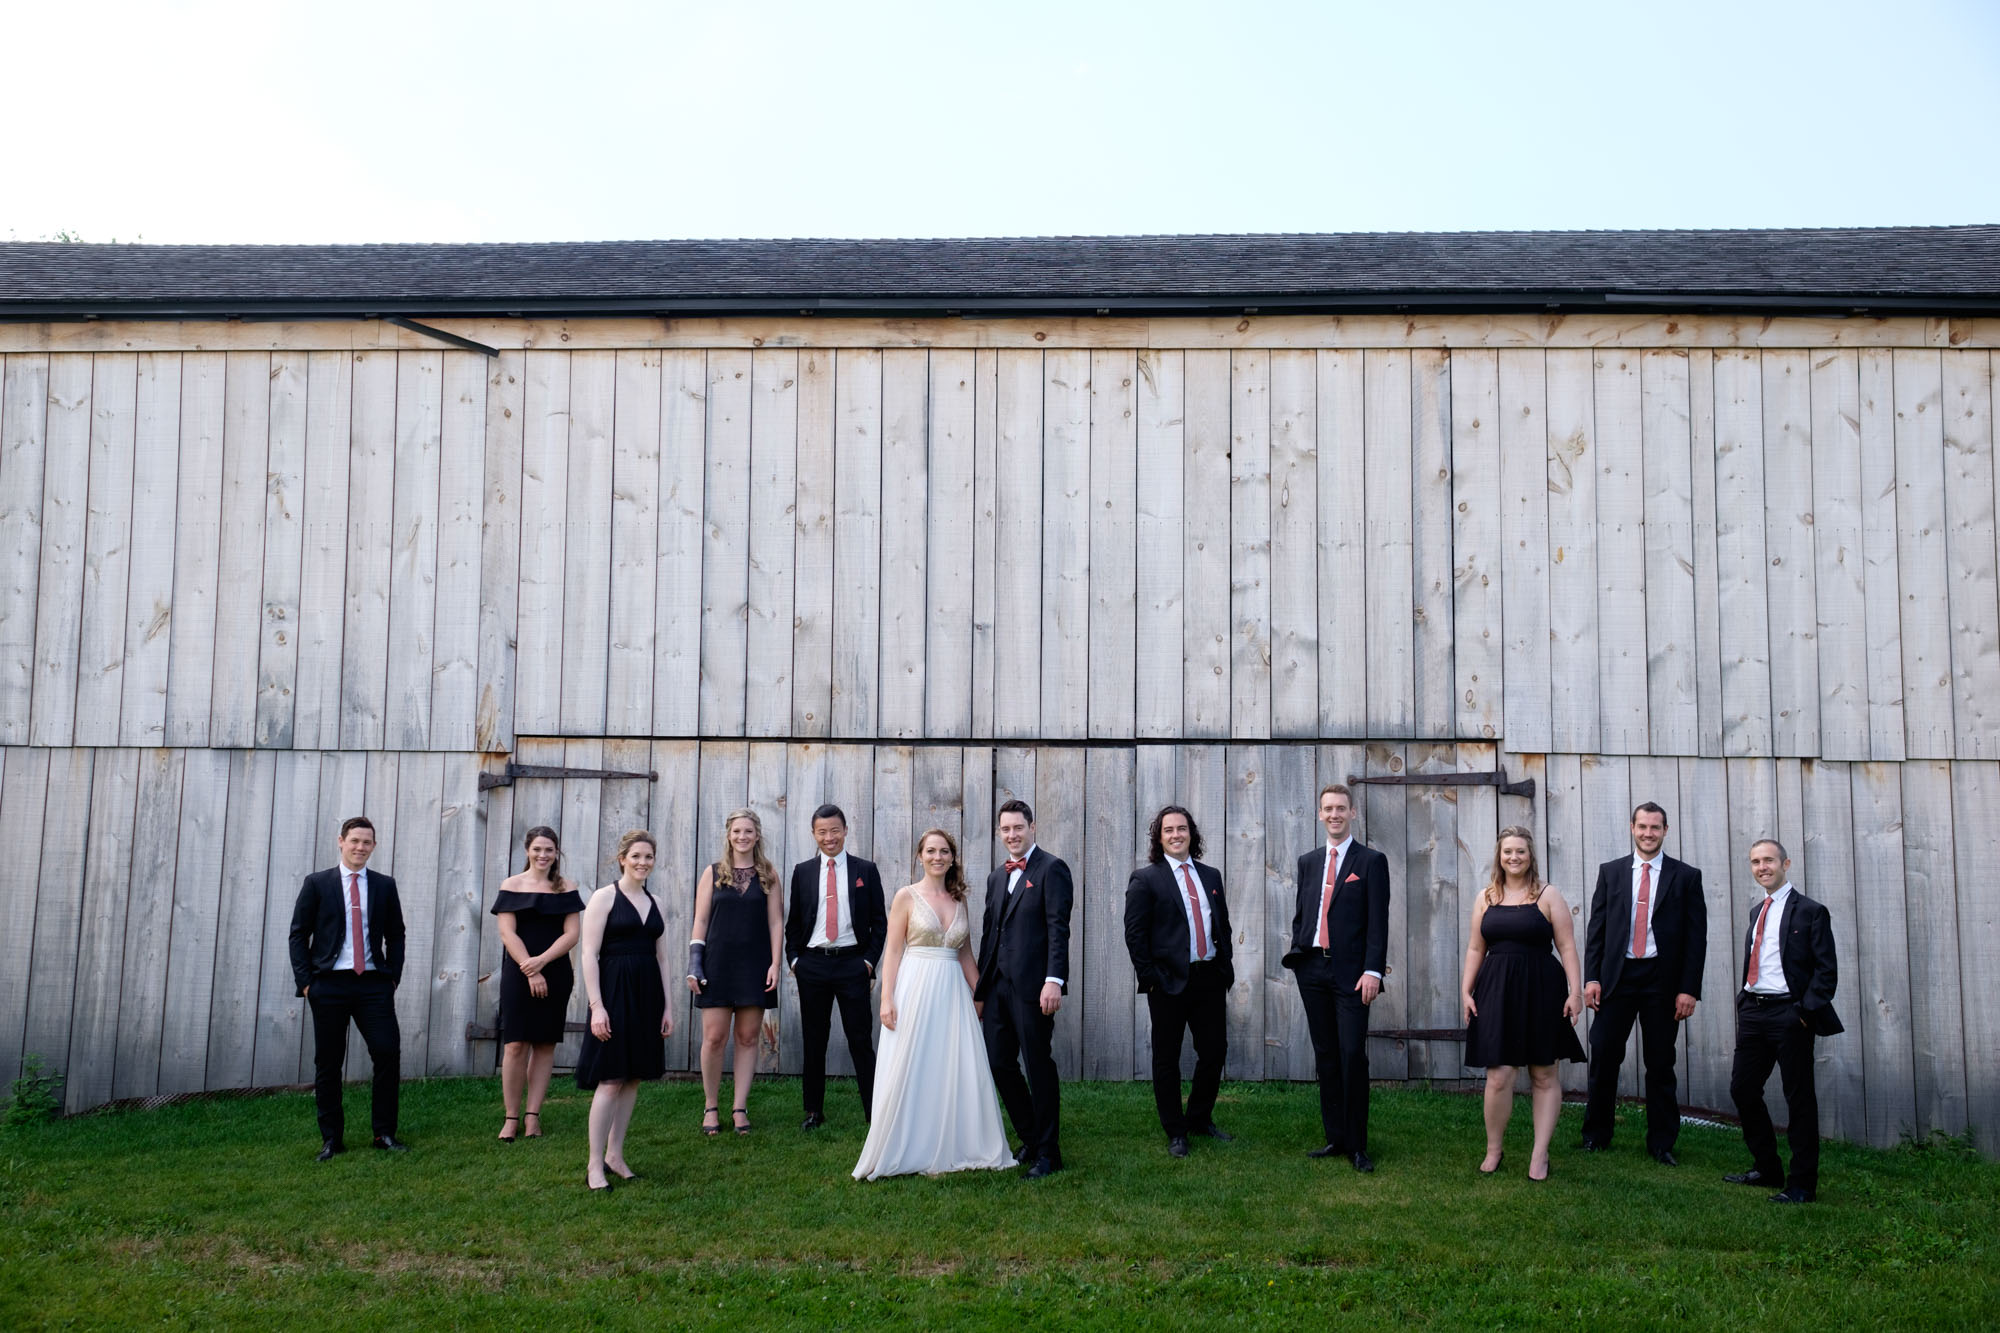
[538, 920]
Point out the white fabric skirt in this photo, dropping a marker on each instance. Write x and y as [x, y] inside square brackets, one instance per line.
[935, 1107]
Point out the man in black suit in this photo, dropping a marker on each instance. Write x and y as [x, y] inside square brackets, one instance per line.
[1642, 959]
[1023, 976]
[1177, 931]
[1789, 975]
[833, 939]
[1340, 953]
[347, 956]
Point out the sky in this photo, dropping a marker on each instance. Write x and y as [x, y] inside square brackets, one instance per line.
[222, 121]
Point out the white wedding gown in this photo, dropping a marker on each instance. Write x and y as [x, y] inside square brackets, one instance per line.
[935, 1107]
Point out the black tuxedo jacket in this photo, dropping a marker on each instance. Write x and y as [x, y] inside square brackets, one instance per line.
[1806, 946]
[864, 900]
[319, 926]
[1358, 921]
[1677, 919]
[1025, 935]
[1156, 927]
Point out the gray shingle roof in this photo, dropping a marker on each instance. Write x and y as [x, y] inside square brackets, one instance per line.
[1941, 268]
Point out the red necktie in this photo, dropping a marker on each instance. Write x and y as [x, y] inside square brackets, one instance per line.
[354, 923]
[1321, 940]
[832, 906]
[1194, 914]
[1639, 917]
[1757, 946]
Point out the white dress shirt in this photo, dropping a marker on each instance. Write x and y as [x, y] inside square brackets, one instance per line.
[1652, 949]
[1336, 852]
[1771, 958]
[345, 962]
[1188, 909]
[1014, 880]
[847, 937]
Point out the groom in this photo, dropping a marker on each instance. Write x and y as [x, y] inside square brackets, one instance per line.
[1023, 963]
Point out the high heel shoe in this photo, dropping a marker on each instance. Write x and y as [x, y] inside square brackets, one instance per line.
[605, 1188]
[524, 1125]
[743, 1128]
[1547, 1171]
[711, 1130]
[504, 1136]
[1498, 1162]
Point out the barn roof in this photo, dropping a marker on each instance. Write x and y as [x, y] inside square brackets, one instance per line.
[1885, 270]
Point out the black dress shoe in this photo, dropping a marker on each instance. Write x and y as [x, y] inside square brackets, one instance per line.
[1325, 1150]
[1177, 1146]
[1362, 1162]
[1592, 1145]
[1214, 1131]
[1753, 1177]
[390, 1143]
[813, 1120]
[329, 1150]
[1795, 1194]
[1021, 1155]
[1665, 1157]
[1043, 1167]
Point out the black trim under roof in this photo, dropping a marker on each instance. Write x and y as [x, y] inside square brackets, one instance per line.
[1881, 270]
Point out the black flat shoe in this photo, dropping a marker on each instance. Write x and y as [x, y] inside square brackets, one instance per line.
[743, 1128]
[504, 1136]
[1498, 1162]
[706, 1128]
[537, 1115]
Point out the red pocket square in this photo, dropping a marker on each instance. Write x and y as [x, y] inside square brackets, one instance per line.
[1027, 884]
[1351, 877]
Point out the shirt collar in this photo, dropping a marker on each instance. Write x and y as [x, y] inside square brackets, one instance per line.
[1654, 860]
[824, 858]
[1027, 856]
[1337, 849]
[1175, 863]
[1780, 891]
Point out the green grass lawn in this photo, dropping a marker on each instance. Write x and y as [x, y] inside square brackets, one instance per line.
[215, 1215]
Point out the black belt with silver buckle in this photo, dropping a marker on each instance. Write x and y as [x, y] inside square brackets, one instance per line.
[834, 950]
[1759, 997]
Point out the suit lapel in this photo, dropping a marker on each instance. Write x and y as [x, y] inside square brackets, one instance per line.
[1171, 885]
[1020, 890]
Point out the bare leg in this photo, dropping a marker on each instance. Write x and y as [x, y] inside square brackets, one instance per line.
[513, 1074]
[749, 1027]
[603, 1112]
[621, 1121]
[1499, 1109]
[714, 1036]
[1546, 1099]
[541, 1064]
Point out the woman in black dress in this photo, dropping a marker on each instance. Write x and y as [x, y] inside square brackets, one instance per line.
[1517, 1008]
[538, 912]
[625, 973]
[739, 926]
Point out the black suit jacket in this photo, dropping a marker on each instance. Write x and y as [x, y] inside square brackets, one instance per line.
[319, 926]
[1156, 927]
[864, 901]
[1358, 921]
[1806, 946]
[1677, 919]
[1025, 935]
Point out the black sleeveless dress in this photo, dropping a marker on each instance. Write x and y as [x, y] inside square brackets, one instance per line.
[1519, 991]
[635, 1001]
[538, 920]
[739, 945]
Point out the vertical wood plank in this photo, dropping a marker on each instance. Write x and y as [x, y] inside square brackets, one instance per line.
[51, 973]
[1291, 790]
[1976, 824]
[675, 805]
[197, 894]
[538, 654]
[1623, 649]
[371, 481]
[455, 937]
[500, 549]
[1295, 544]
[1478, 830]
[1788, 552]
[1386, 483]
[1826, 856]
[294, 836]
[323, 550]
[1059, 827]
[1881, 542]
[1017, 546]
[1930, 893]
[1876, 964]
[1665, 440]
[24, 786]
[1923, 557]
[950, 610]
[1575, 683]
[239, 602]
[413, 556]
[1477, 632]
[107, 553]
[284, 537]
[1435, 953]
[419, 817]
[1065, 656]
[677, 614]
[1565, 864]
[1113, 615]
[586, 604]
[774, 449]
[149, 906]
[240, 919]
[1250, 545]
[100, 956]
[1106, 863]
[976, 824]
[496, 863]
[635, 545]
[23, 451]
[812, 547]
[1707, 557]
[1524, 551]
[1205, 592]
[1967, 412]
[149, 594]
[1159, 448]
[857, 541]
[461, 482]
[985, 497]
[1742, 603]
[905, 527]
[1604, 786]
[1701, 816]
[1343, 563]
[60, 581]
[1840, 571]
[894, 835]
[1431, 488]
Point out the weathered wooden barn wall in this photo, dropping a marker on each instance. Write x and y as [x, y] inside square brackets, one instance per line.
[255, 577]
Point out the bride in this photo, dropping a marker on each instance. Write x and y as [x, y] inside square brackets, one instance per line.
[935, 1108]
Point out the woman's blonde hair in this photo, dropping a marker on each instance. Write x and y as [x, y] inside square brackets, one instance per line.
[1496, 882]
[758, 856]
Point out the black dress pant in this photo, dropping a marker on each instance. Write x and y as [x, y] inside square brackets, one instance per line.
[1017, 1032]
[1201, 1009]
[823, 981]
[1768, 1032]
[370, 1001]
[1637, 997]
[1338, 1022]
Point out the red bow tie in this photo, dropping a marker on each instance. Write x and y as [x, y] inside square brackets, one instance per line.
[1012, 866]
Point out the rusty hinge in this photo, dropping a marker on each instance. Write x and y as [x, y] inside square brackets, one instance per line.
[488, 781]
[1525, 787]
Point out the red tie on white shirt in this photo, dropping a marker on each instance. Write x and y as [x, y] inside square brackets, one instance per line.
[354, 922]
[1757, 946]
[1194, 913]
[832, 907]
[1321, 940]
[1645, 902]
